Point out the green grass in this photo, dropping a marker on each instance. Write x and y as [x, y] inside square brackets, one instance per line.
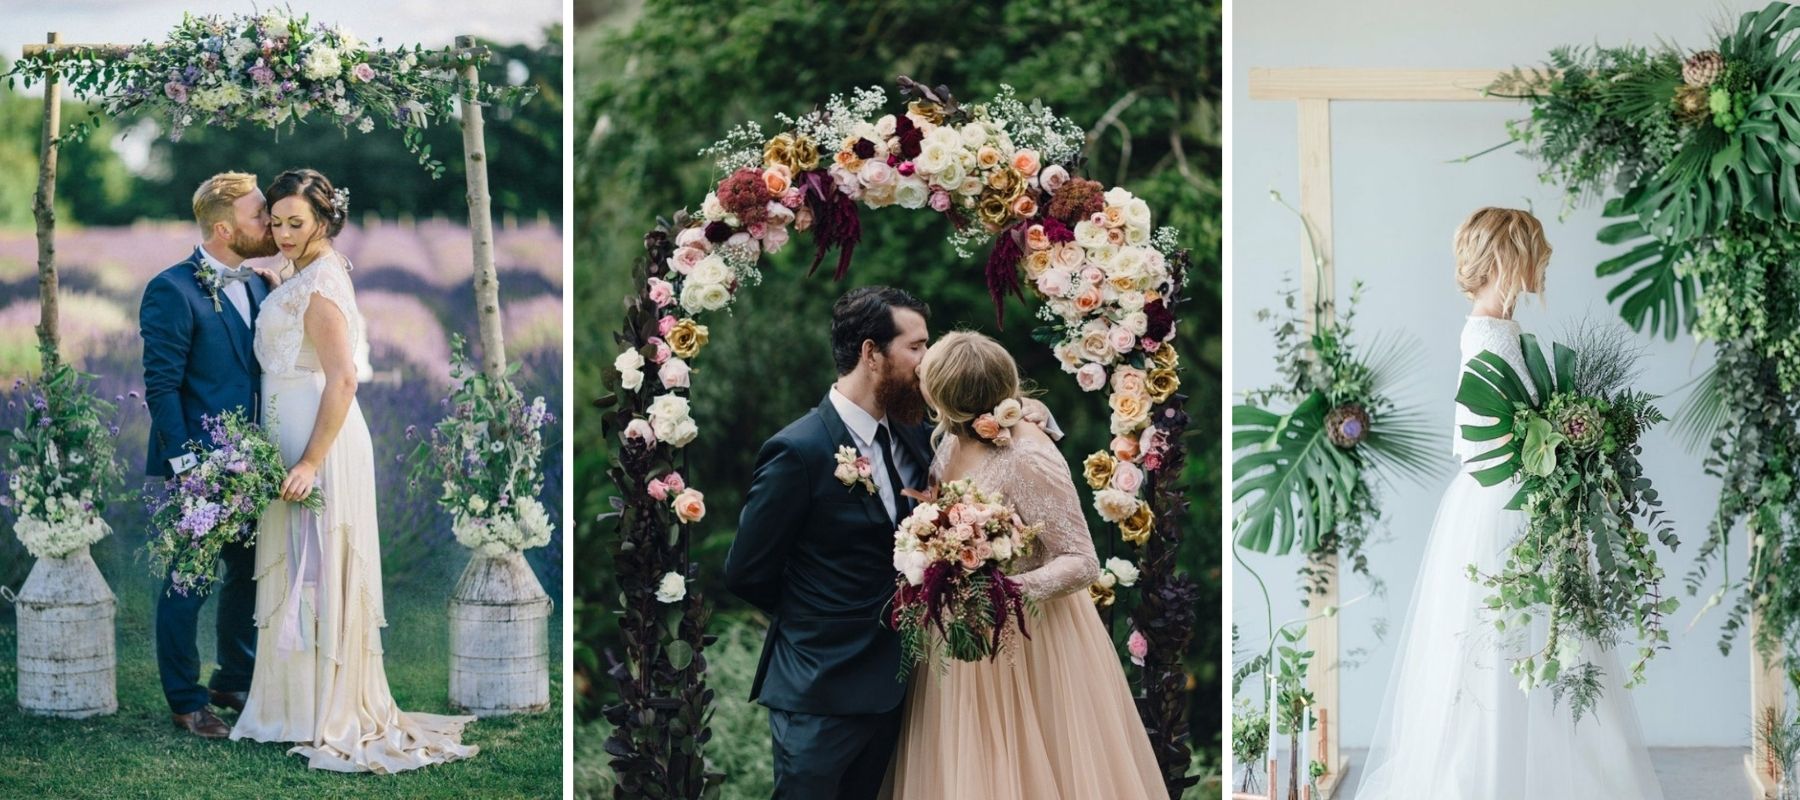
[138, 753]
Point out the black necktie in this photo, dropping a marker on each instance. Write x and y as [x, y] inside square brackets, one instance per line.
[893, 472]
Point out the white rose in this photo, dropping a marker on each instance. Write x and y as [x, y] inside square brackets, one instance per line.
[711, 269]
[1127, 571]
[684, 432]
[951, 176]
[697, 297]
[1118, 196]
[671, 588]
[933, 157]
[1009, 412]
[711, 209]
[1136, 236]
[665, 411]
[1107, 580]
[1137, 321]
[1132, 300]
[911, 193]
[1068, 356]
[323, 62]
[1137, 214]
[879, 196]
[1003, 547]
[943, 136]
[1115, 506]
[1090, 236]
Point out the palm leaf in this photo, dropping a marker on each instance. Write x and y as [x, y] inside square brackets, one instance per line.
[1702, 413]
[1293, 482]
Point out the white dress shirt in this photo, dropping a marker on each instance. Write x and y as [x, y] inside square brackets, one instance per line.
[236, 291]
[862, 428]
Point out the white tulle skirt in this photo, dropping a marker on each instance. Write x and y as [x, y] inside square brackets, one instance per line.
[1455, 725]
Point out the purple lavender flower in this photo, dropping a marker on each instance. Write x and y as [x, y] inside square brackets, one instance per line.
[199, 521]
[43, 422]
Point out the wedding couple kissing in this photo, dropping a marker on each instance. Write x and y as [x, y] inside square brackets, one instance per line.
[300, 608]
[1053, 716]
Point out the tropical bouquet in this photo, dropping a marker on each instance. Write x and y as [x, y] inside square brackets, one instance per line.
[952, 555]
[217, 501]
[270, 69]
[1697, 156]
[59, 465]
[1306, 475]
[485, 456]
[1586, 560]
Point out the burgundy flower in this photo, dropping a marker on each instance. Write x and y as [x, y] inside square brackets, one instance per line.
[1161, 321]
[717, 232]
[910, 136]
[1056, 231]
[743, 193]
[863, 148]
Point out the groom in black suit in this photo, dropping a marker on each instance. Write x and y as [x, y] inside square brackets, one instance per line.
[198, 320]
[817, 555]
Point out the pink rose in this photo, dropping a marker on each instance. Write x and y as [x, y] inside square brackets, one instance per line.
[690, 506]
[1053, 177]
[1068, 256]
[1115, 236]
[1003, 438]
[756, 230]
[639, 431]
[779, 215]
[864, 468]
[1127, 477]
[662, 349]
[176, 91]
[1153, 441]
[674, 374]
[1088, 300]
[1121, 339]
[1150, 345]
[692, 237]
[685, 258]
[803, 218]
[674, 481]
[662, 293]
[1025, 206]
[1125, 448]
[1054, 282]
[940, 201]
[1092, 275]
[906, 168]
[1035, 238]
[666, 324]
[1026, 162]
[986, 426]
[739, 239]
[1098, 219]
[793, 197]
[1091, 377]
[1153, 462]
[984, 551]
[876, 173]
[363, 72]
[968, 558]
[658, 490]
[1138, 646]
[774, 239]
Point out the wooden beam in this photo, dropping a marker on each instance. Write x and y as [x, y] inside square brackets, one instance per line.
[448, 59]
[1314, 83]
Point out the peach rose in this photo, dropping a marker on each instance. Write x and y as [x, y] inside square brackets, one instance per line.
[986, 426]
[987, 156]
[1114, 217]
[777, 179]
[1024, 206]
[1036, 263]
[1088, 299]
[1026, 162]
[1115, 236]
[1129, 379]
[1125, 448]
[1068, 256]
[690, 505]
[1035, 238]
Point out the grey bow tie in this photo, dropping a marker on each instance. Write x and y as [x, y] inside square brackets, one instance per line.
[230, 275]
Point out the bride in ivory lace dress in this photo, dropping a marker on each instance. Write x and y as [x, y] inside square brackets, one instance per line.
[1053, 717]
[319, 679]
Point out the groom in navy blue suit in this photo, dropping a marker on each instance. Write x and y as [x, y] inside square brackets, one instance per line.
[197, 321]
[816, 555]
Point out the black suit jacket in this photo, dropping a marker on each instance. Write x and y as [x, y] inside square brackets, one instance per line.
[817, 556]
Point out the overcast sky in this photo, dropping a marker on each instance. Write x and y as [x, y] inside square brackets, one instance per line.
[432, 23]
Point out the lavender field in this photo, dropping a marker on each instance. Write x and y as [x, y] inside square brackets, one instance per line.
[413, 287]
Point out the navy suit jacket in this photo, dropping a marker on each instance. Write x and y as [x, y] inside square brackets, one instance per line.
[817, 556]
[198, 360]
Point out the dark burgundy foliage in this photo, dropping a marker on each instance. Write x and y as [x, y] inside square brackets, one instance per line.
[835, 221]
[1003, 270]
[1056, 231]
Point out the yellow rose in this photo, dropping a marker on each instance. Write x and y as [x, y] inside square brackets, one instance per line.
[686, 338]
[1098, 469]
[1101, 595]
[1165, 356]
[1137, 527]
[797, 153]
[926, 110]
[1163, 383]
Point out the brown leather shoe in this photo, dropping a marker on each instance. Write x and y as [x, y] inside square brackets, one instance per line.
[231, 700]
[202, 723]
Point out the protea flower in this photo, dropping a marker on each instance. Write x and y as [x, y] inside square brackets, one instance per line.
[1347, 425]
[1703, 68]
[1582, 424]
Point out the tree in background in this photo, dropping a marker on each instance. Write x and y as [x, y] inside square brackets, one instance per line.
[654, 89]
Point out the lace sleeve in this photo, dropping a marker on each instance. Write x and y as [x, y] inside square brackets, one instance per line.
[1038, 485]
[333, 284]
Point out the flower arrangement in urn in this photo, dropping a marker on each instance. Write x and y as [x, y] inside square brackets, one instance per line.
[59, 465]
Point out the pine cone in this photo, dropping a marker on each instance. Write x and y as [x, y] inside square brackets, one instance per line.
[1692, 104]
[1347, 425]
[1702, 68]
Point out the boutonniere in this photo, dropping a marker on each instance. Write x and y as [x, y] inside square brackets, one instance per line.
[853, 468]
[208, 276]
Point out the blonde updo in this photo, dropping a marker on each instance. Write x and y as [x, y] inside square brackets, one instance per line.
[1504, 245]
[964, 376]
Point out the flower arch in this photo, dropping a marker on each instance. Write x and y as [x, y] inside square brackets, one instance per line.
[1003, 173]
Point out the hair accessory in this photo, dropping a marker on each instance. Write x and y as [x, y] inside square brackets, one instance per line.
[996, 426]
[340, 203]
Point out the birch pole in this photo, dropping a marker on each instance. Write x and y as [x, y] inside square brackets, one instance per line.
[43, 207]
[481, 219]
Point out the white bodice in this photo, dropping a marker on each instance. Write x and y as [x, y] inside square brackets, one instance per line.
[282, 346]
[1500, 336]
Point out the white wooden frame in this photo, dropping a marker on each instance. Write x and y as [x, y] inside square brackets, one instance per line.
[1314, 90]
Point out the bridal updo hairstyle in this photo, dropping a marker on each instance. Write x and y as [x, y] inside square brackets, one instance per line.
[316, 190]
[965, 375]
[1506, 245]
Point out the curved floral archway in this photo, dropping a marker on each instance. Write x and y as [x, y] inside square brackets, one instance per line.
[1003, 174]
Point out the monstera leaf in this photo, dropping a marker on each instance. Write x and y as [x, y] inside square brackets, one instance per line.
[1491, 387]
[1293, 481]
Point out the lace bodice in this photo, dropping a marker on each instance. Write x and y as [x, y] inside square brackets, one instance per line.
[1501, 336]
[1033, 476]
[282, 347]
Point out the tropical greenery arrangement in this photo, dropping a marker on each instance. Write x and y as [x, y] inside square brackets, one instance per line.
[1583, 561]
[1698, 158]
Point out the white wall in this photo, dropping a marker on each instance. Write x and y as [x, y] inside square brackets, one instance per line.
[1397, 201]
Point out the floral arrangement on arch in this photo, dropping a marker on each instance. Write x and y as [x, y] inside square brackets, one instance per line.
[1002, 173]
[270, 69]
[1697, 158]
[59, 466]
[486, 457]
